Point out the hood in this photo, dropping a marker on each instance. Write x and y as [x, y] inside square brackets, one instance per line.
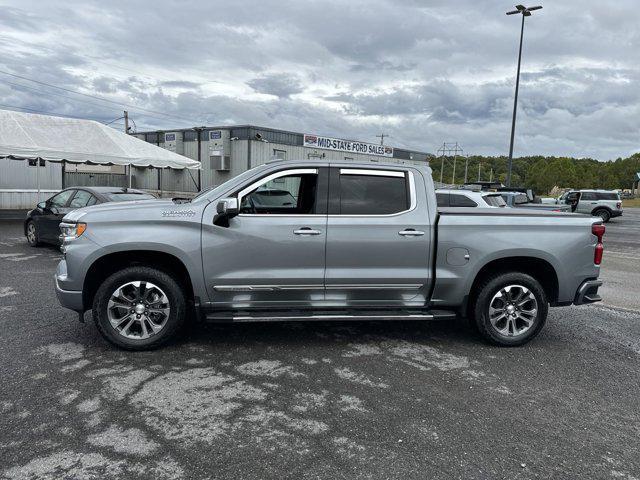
[128, 210]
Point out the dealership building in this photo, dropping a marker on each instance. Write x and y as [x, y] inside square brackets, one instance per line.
[225, 152]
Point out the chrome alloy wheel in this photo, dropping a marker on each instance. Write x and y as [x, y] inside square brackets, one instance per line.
[513, 310]
[138, 310]
[31, 232]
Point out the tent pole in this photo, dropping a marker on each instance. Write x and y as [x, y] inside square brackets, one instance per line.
[38, 177]
[129, 175]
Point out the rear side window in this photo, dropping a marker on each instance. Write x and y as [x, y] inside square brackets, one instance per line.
[81, 199]
[588, 196]
[494, 200]
[457, 200]
[443, 199]
[372, 192]
[608, 196]
[521, 199]
[126, 197]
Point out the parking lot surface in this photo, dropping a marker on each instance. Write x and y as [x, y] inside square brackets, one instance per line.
[320, 400]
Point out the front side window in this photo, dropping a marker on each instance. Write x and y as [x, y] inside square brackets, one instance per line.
[292, 194]
[61, 199]
[458, 200]
[372, 192]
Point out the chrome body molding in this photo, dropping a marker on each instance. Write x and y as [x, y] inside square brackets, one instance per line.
[253, 288]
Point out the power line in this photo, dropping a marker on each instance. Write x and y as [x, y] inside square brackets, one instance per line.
[43, 112]
[96, 97]
[60, 94]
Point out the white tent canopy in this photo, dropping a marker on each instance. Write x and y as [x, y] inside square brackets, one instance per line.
[57, 139]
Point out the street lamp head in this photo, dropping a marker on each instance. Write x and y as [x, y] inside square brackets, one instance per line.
[525, 11]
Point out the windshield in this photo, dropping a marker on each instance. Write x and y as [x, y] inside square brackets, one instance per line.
[216, 190]
[128, 196]
[495, 200]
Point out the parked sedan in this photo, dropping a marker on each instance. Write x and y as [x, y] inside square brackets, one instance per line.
[41, 224]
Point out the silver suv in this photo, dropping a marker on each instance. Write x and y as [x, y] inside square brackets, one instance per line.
[605, 204]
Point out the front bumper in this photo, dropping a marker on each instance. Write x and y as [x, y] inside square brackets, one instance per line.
[71, 299]
[588, 292]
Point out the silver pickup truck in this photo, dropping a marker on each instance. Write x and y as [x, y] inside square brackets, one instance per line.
[321, 240]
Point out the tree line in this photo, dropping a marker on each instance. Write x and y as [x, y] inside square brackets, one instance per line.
[539, 172]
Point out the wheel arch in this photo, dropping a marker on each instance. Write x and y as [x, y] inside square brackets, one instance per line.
[108, 264]
[539, 268]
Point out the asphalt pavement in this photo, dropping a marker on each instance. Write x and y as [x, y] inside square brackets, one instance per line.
[319, 400]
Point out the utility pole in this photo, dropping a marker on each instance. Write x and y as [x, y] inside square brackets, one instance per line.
[382, 137]
[479, 165]
[126, 131]
[526, 12]
[466, 168]
[449, 148]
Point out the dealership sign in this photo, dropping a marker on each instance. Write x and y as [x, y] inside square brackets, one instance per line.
[349, 146]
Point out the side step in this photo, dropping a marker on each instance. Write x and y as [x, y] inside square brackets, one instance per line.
[328, 315]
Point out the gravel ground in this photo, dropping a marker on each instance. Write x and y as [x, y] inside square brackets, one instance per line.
[322, 400]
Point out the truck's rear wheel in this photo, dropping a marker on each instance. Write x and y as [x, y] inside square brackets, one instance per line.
[139, 308]
[510, 308]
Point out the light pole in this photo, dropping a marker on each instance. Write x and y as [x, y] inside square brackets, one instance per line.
[525, 12]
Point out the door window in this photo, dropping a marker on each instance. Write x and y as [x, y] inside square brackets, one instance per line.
[588, 196]
[458, 200]
[372, 192]
[81, 199]
[291, 192]
[60, 200]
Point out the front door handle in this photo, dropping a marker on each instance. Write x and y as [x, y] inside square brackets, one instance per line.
[306, 231]
[410, 232]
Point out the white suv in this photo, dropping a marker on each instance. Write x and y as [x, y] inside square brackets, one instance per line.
[469, 198]
[605, 204]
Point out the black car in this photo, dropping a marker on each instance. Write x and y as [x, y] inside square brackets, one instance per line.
[42, 223]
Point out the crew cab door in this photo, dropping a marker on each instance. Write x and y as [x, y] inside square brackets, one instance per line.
[378, 238]
[273, 252]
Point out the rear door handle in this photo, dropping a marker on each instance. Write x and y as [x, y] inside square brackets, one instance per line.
[410, 232]
[306, 231]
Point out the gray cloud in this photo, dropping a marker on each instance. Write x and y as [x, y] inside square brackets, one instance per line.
[280, 85]
[423, 71]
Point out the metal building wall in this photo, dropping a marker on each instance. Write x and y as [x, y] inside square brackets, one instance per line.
[16, 174]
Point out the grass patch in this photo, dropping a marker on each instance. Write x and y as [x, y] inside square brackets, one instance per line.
[631, 202]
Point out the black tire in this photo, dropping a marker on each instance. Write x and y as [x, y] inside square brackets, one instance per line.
[32, 240]
[492, 286]
[603, 214]
[176, 302]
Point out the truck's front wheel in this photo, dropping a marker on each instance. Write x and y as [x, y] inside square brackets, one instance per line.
[139, 308]
[510, 308]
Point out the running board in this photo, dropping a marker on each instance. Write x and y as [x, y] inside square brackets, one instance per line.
[297, 316]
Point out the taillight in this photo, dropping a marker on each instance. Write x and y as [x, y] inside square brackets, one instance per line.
[598, 230]
[618, 205]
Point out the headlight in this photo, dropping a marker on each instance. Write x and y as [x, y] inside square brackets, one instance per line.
[71, 231]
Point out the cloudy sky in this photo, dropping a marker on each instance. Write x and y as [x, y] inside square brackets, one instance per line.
[423, 72]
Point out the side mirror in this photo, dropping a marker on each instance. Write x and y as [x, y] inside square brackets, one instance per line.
[42, 205]
[226, 209]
